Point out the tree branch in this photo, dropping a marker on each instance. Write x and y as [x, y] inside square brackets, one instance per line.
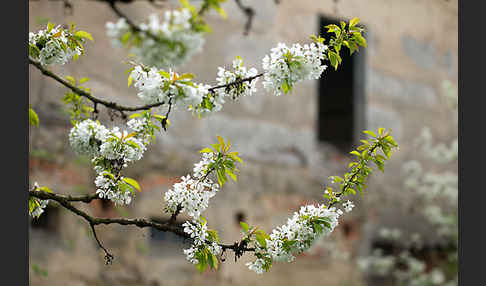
[212, 89]
[250, 12]
[108, 256]
[130, 23]
[114, 105]
[65, 201]
[80, 92]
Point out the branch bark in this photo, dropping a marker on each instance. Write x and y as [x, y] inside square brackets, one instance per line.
[95, 100]
[65, 201]
[249, 12]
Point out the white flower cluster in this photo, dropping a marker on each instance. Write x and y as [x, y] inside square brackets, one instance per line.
[437, 196]
[258, 266]
[390, 234]
[286, 66]
[119, 146]
[239, 72]
[298, 235]
[110, 189]
[406, 269]
[39, 209]
[192, 194]
[53, 46]
[177, 40]
[110, 151]
[183, 92]
[38, 205]
[199, 233]
[348, 206]
[441, 153]
[87, 136]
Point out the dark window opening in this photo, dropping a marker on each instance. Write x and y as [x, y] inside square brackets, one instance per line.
[48, 220]
[341, 96]
[106, 204]
[239, 217]
[347, 229]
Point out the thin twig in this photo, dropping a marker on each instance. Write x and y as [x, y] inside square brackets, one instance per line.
[249, 12]
[212, 89]
[108, 256]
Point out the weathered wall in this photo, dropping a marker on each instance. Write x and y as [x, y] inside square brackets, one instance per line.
[412, 48]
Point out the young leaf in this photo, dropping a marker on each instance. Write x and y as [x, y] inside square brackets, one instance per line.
[244, 226]
[33, 118]
[353, 22]
[133, 183]
[206, 150]
[83, 80]
[130, 80]
[84, 34]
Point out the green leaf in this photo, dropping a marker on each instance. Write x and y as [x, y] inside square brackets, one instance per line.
[285, 86]
[71, 79]
[84, 34]
[213, 261]
[39, 271]
[232, 176]
[244, 226]
[186, 76]
[50, 26]
[221, 12]
[45, 189]
[83, 80]
[390, 140]
[135, 115]
[33, 118]
[213, 235]
[371, 133]
[353, 22]
[333, 58]
[221, 143]
[129, 70]
[133, 183]
[355, 153]
[164, 74]
[360, 40]
[130, 80]
[201, 266]
[260, 238]
[206, 150]
[126, 37]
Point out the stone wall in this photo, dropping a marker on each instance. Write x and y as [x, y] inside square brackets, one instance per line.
[412, 48]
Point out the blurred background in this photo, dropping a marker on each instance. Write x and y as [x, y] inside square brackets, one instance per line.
[403, 231]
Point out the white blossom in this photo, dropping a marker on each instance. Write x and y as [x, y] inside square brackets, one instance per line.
[257, 266]
[53, 46]
[348, 206]
[192, 194]
[239, 72]
[38, 205]
[298, 235]
[86, 137]
[285, 66]
[198, 231]
[118, 146]
[177, 42]
[109, 188]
